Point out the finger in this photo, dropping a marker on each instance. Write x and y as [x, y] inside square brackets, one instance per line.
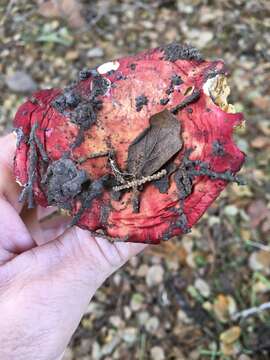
[8, 148]
[9, 189]
[78, 256]
[14, 236]
[46, 230]
[47, 212]
[84, 250]
[5, 256]
[54, 227]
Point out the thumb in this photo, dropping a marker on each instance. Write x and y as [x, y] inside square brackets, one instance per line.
[77, 254]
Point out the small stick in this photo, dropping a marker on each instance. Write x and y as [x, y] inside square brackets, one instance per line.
[41, 148]
[188, 100]
[251, 311]
[258, 245]
[27, 192]
[93, 156]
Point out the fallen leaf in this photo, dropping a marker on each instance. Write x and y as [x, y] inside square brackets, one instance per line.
[231, 335]
[264, 126]
[260, 261]
[241, 191]
[72, 55]
[260, 142]
[70, 10]
[262, 102]
[224, 306]
[61, 36]
[266, 225]
[229, 349]
[245, 234]
[155, 145]
[258, 212]
[170, 250]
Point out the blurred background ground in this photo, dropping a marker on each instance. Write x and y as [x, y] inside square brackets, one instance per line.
[183, 299]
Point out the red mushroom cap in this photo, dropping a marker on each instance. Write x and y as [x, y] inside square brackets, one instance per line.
[137, 147]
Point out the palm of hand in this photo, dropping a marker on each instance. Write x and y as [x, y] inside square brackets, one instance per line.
[47, 275]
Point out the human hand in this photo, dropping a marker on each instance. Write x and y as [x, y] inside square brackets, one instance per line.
[48, 274]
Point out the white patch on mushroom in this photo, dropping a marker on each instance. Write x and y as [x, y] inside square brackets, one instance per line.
[209, 85]
[108, 66]
[19, 183]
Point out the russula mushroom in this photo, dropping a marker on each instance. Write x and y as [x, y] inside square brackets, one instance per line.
[138, 148]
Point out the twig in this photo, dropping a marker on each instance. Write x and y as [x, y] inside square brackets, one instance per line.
[93, 156]
[251, 311]
[194, 96]
[258, 245]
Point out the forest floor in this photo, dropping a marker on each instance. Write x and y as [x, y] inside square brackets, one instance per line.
[187, 298]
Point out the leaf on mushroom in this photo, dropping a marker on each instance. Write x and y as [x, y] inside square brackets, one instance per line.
[155, 145]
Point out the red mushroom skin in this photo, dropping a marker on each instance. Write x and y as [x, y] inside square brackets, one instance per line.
[136, 147]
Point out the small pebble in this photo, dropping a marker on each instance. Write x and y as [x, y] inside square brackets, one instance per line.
[20, 82]
[108, 348]
[157, 353]
[95, 52]
[152, 324]
[202, 286]
[143, 317]
[117, 279]
[116, 321]
[183, 318]
[129, 335]
[142, 271]
[136, 302]
[231, 210]
[127, 312]
[96, 351]
[244, 357]
[155, 275]
[85, 347]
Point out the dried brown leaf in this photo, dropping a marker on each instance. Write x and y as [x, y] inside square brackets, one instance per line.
[170, 250]
[257, 212]
[231, 335]
[260, 142]
[262, 102]
[155, 145]
[70, 10]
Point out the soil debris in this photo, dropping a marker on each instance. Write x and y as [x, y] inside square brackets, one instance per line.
[140, 102]
[176, 51]
[63, 182]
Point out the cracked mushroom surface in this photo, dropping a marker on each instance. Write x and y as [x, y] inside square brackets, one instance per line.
[138, 147]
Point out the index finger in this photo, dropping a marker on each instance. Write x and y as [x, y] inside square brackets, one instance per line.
[9, 189]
